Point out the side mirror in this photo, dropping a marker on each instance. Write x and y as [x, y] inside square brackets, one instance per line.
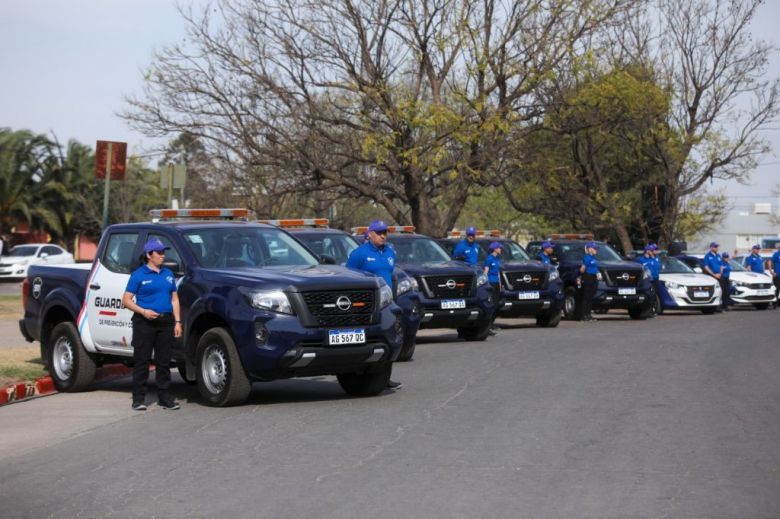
[327, 259]
[173, 267]
[43, 255]
[698, 270]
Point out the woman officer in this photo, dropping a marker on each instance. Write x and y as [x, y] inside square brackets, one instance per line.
[589, 276]
[156, 321]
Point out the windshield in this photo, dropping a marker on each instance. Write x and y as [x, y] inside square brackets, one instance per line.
[513, 252]
[418, 250]
[574, 252]
[736, 267]
[24, 250]
[674, 266]
[340, 246]
[220, 247]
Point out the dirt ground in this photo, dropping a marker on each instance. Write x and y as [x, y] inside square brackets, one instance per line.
[19, 360]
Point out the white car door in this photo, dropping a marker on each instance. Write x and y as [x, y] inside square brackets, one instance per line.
[105, 324]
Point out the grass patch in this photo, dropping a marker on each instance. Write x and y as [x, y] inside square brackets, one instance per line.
[20, 365]
[11, 306]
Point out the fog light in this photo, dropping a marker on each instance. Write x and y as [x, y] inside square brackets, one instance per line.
[261, 334]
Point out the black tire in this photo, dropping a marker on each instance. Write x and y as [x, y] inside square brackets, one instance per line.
[548, 320]
[761, 306]
[366, 384]
[659, 309]
[71, 367]
[640, 313]
[407, 350]
[221, 378]
[708, 311]
[476, 333]
[570, 304]
[190, 380]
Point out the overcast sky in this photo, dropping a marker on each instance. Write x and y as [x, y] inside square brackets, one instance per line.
[66, 65]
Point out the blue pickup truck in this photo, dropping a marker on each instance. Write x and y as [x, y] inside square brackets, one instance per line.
[530, 288]
[623, 284]
[256, 305]
[334, 246]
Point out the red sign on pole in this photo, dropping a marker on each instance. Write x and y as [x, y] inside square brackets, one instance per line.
[117, 162]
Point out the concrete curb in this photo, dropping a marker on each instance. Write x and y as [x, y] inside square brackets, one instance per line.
[44, 386]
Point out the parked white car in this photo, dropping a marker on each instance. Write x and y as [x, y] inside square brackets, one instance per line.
[682, 288]
[751, 288]
[14, 265]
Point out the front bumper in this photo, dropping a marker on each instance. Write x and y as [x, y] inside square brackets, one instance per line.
[610, 297]
[478, 308]
[275, 346]
[13, 271]
[549, 301]
[679, 298]
[750, 296]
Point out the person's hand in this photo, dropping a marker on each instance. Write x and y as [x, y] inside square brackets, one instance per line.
[150, 314]
[717, 276]
[177, 330]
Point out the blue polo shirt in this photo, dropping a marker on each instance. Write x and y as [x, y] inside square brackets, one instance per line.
[713, 261]
[470, 251]
[754, 263]
[544, 258]
[726, 268]
[152, 289]
[591, 264]
[652, 264]
[776, 262]
[379, 262]
[493, 264]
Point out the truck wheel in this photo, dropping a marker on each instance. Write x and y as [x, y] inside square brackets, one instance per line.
[366, 384]
[761, 306]
[70, 366]
[475, 333]
[220, 376]
[640, 313]
[548, 320]
[659, 308]
[570, 304]
[407, 350]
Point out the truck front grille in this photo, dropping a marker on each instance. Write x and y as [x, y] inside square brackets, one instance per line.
[526, 280]
[623, 278]
[340, 308]
[447, 287]
[700, 290]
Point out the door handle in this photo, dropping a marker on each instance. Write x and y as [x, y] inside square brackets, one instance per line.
[94, 286]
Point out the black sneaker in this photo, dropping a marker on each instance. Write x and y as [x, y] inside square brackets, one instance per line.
[391, 384]
[493, 331]
[170, 405]
[139, 406]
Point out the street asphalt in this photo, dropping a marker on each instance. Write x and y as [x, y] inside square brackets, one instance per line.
[674, 417]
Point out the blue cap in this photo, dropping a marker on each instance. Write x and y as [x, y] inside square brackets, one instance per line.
[649, 246]
[725, 254]
[755, 247]
[495, 245]
[154, 245]
[471, 231]
[714, 244]
[592, 245]
[377, 226]
[547, 244]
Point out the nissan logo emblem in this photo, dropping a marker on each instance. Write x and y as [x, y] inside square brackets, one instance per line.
[450, 284]
[527, 278]
[343, 303]
[625, 276]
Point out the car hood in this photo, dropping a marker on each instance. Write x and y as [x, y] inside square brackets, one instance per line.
[750, 277]
[439, 268]
[702, 280]
[317, 277]
[524, 266]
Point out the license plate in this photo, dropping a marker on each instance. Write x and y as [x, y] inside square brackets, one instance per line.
[449, 304]
[765, 291]
[701, 294]
[337, 337]
[627, 291]
[528, 295]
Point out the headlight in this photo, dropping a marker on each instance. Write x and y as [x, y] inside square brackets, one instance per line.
[554, 274]
[740, 284]
[481, 279]
[273, 300]
[385, 296]
[405, 285]
[671, 284]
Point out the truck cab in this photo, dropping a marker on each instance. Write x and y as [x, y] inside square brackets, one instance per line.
[335, 245]
[452, 294]
[255, 304]
[624, 284]
[530, 288]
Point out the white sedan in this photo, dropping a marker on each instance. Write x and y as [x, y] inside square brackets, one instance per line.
[751, 288]
[14, 265]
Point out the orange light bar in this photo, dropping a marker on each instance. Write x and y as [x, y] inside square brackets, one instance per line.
[572, 236]
[298, 222]
[200, 213]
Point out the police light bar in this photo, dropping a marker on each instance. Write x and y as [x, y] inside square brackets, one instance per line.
[493, 233]
[200, 213]
[572, 236]
[391, 229]
[298, 222]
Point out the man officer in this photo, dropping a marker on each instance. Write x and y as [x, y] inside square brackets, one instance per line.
[650, 261]
[467, 249]
[545, 255]
[377, 257]
[713, 265]
[589, 280]
[754, 262]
